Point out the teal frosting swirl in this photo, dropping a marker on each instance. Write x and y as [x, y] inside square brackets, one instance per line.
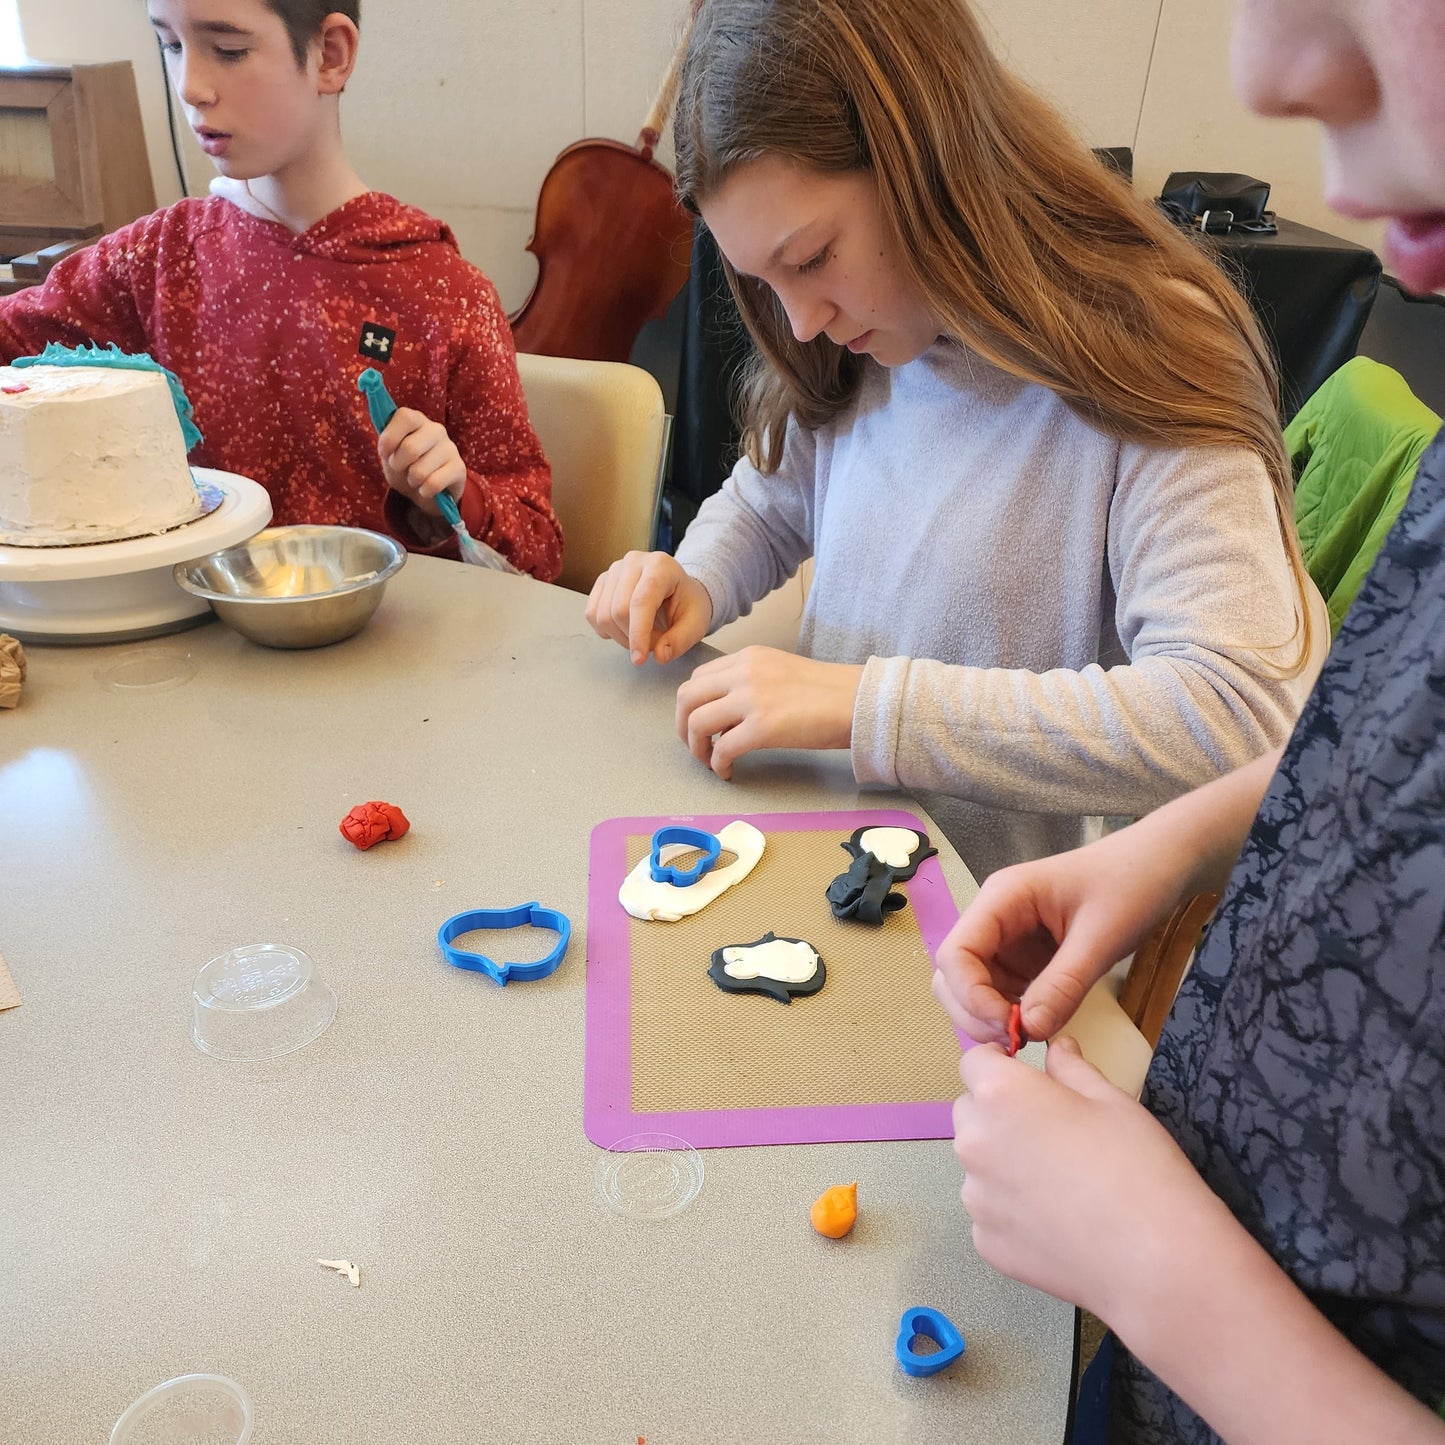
[112, 356]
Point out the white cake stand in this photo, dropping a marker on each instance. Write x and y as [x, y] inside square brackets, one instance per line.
[120, 591]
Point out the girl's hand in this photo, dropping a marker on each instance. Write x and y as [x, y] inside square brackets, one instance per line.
[419, 459]
[1044, 933]
[650, 605]
[1072, 1186]
[764, 698]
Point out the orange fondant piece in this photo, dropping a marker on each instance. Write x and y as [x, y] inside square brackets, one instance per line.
[835, 1210]
[369, 823]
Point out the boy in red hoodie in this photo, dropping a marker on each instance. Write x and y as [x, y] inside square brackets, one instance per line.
[270, 297]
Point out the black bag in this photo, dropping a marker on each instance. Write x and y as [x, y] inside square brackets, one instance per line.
[1217, 204]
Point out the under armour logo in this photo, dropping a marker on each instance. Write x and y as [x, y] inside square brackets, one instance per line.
[376, 342]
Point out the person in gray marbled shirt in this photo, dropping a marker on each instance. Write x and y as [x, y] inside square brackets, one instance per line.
[1265, 1231]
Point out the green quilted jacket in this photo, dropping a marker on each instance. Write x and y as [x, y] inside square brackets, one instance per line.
[1355, 445]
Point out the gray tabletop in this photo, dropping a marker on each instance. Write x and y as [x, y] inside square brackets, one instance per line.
[161, 1211]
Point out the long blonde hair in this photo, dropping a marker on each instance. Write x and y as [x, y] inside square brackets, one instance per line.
[1028, 250]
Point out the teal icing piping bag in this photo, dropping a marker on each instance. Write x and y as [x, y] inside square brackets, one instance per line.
[382, 408]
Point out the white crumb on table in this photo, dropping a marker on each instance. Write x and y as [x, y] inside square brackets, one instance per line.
[343, 1266]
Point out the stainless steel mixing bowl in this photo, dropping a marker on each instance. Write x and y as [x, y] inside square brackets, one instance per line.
[296, 586]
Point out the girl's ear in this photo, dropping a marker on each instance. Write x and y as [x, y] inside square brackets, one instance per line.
[335, 45]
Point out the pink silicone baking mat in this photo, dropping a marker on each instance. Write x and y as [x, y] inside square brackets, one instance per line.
[870, 1056]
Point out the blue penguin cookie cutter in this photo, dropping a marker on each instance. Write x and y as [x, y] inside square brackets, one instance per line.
[497, 918]
[692, 838]
[932, 1325]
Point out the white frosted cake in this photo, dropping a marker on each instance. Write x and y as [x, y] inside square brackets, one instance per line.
[90, 454]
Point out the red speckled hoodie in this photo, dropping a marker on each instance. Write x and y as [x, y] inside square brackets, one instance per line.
[269, 330]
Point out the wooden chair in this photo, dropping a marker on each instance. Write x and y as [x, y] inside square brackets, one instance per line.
[1159, 965]
[604, 428]
[1118, 1034]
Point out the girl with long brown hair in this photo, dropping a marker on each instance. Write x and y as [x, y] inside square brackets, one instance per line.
[1027, 432]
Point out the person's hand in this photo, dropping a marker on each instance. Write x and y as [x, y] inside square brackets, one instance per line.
[1044, 933]
[419, 459]
[650, 605]
[1075, 1189]
[764, 698]
[1072, 1186]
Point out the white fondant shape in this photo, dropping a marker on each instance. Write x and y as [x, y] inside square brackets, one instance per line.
[788, 960]
[343, 1266]
[657, 902]
[893, 846]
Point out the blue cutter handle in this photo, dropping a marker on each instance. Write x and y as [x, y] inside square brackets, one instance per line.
[382, 408]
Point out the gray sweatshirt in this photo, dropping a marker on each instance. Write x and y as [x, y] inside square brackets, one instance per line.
[1054, 624]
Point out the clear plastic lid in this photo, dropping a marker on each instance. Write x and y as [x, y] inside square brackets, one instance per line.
[189, 1410]
[649, 1176]
[146, 669]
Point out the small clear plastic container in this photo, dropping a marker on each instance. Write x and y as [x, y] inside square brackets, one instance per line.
[147, 669]
[649, 1176]
[189, 1410]
[259, 1001]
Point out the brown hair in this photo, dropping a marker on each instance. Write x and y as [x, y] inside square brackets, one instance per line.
[302, 19]
[1029, 250]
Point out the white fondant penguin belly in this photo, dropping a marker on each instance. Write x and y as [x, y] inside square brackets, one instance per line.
[893, 846]
[788, 960]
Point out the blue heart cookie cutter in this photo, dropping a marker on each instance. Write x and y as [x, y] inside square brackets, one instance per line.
[524, 913]
[932, 1326]
[691, 838]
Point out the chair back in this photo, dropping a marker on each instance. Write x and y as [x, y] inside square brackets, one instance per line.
[1160, 963]
[603, 426]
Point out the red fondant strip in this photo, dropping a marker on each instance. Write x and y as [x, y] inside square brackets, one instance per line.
[1017, 1038]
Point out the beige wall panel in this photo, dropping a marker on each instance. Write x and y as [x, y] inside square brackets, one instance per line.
[496, 239]
[460, 106]
[463, 103]
[1089, 57]
[1194, 122]
[461, 113]
[629, 44]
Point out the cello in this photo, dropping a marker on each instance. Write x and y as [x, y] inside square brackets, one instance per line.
[612, 244]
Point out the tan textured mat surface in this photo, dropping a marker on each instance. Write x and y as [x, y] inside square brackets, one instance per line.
[872, 1035]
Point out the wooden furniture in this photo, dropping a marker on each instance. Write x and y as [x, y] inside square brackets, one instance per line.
[1159, 964]
[32, 268]
[73, 162]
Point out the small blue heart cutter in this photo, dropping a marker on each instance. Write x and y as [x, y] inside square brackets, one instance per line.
[932, 1326]
[693, 838]
[503, 973]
